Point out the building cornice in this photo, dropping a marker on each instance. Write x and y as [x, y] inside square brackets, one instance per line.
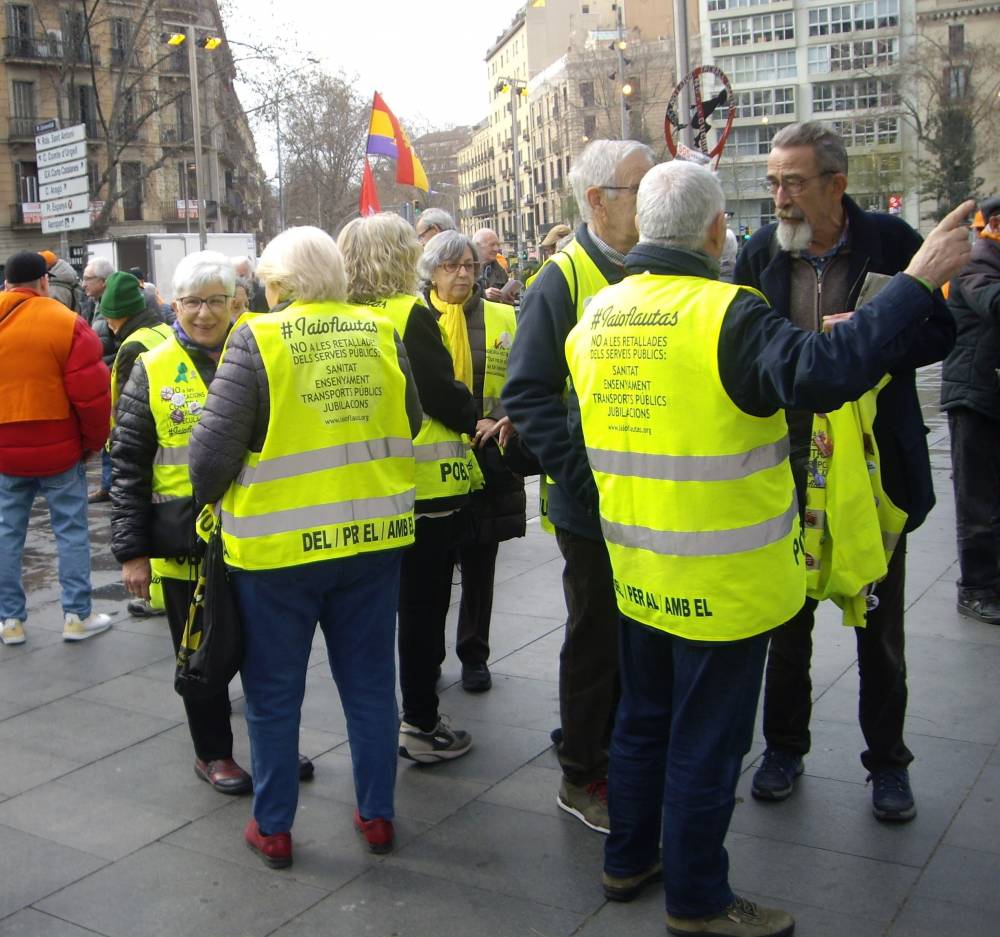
[956, 12]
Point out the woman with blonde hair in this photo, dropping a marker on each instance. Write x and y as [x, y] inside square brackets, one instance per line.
[380, 256]
[306, 442]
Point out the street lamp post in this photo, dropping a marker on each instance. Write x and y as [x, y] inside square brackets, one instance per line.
[199, 170]
[620, 46]
[516, 87]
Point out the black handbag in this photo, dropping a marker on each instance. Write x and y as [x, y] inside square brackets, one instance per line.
[211, 649]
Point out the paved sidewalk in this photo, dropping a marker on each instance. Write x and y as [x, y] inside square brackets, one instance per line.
[104, 829]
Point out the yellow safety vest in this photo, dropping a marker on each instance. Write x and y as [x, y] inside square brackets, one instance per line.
[501, 325]
[441, 454]
[697, 502]
[851, 526]
[148, 338]
[583, 279]
[335, 476]
[176, 399]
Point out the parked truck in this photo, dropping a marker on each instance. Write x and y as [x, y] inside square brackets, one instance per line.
[159, 254]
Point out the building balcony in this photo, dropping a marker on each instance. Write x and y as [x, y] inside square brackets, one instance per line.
[233, 202]
[48, 49]
[120, 58]
[540, 188]
[508, 204]
[26, 215]
[22, 128]
[180, 135]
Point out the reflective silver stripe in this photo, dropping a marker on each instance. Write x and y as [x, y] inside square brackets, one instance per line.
[889, 539]
[319, 460]
[171, 455]
[490, 404]
[432, 451]
[704, 542]
[689, 468]
[317, 515]
[162, 499]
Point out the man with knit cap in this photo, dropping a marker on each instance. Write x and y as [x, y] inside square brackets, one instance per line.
[54, 408]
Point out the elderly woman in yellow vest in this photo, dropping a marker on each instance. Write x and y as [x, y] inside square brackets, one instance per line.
[152, 519]
[306, 445]
[479, 334]
[381, 254]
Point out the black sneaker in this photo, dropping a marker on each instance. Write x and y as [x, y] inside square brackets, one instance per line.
[775, 778]
[892, 798]
[476, 678]
[307, 769]
[982, 607]
[441, 744]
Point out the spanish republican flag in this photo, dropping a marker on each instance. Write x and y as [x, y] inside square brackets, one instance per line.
[387, 138]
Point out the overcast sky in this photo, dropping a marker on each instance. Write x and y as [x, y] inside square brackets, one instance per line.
[426, 59]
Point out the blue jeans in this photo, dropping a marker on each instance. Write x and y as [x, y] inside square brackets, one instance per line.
[685, 721]
[66, 495]
[354, 600]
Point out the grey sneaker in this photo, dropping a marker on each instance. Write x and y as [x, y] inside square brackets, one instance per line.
[587, 802]
[741, 919]
[142, 608]
[442, 744]
[625, 888]
[12, 631]
[76, 630]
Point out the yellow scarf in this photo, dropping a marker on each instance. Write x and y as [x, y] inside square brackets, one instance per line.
[456, 329]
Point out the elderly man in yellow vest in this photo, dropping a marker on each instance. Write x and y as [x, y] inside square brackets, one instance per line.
[681, 382]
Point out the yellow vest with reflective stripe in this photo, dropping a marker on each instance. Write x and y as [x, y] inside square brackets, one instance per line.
[501, 325]
[583, 278]
[697, 502]
[851, 526]
[176, 398]
[148, 337]
[335, 475]
[442, 456]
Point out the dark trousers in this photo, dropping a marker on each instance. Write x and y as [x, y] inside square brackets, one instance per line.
[881, 667]
[208, 719]
[975, 466]
[588, 661]
[424, 596]
[685, 721]
[478, 562]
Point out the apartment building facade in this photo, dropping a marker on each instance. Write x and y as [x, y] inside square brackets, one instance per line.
[112, 71]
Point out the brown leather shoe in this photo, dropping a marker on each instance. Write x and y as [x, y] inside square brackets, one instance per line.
[275, 848]
[224, 775]
[98, 496]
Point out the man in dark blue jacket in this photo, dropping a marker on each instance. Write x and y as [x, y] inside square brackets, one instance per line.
[812, 264]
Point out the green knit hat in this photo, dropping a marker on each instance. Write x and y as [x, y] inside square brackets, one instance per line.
[122, 298]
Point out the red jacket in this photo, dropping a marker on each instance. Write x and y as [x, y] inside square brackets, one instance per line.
[55, 391]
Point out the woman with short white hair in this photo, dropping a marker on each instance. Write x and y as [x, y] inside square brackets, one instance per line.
[306, 445]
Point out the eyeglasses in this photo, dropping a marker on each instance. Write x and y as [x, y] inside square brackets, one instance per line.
[634, 189]
[194, 303]
[468, 267]
[792, 185]
[430, 229]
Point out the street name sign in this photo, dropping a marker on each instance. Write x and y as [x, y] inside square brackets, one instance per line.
[61, 156]
[76, 185]
[66, 222]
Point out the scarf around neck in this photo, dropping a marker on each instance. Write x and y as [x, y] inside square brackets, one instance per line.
[456, 329]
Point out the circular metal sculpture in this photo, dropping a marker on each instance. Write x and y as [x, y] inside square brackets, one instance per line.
[699, 80]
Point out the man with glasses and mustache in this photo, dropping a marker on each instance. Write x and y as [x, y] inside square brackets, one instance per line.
[812, 265]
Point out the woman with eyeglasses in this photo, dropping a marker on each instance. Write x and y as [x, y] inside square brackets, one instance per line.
[479, 334]
[152, 519]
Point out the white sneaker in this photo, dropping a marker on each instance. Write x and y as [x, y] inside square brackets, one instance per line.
[76, 630]
[12, 631]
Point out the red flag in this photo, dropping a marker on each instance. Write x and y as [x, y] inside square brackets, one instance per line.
[368, 204]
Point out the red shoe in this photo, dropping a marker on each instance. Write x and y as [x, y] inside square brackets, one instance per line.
[224, 775]
[275, 850]
[377, 832]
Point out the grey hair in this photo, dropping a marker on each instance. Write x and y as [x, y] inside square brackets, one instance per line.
[677, 204]
[247, 285]
[101, 266]
[249, 261]
[444, 248]
[598, 166]
[438, 218]
[828, 147]
[202, 269]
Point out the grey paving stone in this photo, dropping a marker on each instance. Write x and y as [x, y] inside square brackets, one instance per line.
[327, 850]
[537, 592]
[141, 694]
[205, 895]
[31, 923]
[533, 788]
[22, 767]
[420, 795]
[977, 824]
[389, 900]
[513, 853]
[86, 819]
[538, 660]
[935, 616]
[157, 773]
[31, 868]
[829, 880]
[80, 730]
[513, 701]
[23, 687]
[963, 876]
[927, 917]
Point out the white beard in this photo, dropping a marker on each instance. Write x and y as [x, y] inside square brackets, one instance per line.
[794, 236]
